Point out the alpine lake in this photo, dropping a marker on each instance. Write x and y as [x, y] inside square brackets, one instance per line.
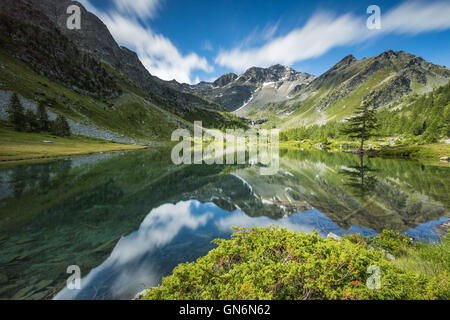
[126, 219]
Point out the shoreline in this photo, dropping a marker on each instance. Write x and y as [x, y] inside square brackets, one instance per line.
[23, 147]
[427, 154]
[60, 157]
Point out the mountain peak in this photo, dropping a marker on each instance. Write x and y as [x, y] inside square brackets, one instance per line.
[225, 79]
[273, 73]
[345, 62]
[279, 67]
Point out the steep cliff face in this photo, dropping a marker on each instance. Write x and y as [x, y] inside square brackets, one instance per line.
[225, 79]
[93, 40]
[32, 37]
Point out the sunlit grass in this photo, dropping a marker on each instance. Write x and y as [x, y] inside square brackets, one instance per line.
[22, 146]
[428, 260]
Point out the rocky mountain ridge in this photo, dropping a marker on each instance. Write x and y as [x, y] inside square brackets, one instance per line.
[385, 79]
[233, 91]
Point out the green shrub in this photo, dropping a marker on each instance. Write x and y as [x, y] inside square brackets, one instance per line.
[17, 113]
[393, 242]
[273, 263]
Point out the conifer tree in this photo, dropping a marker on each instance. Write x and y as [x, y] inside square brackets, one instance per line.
[362, 124]
[17, 113]
[42, 118]
[65, 127]
[31, 121]
[326, 144]
[61, 127]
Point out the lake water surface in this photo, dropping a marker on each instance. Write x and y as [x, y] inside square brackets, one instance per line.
[127, 219]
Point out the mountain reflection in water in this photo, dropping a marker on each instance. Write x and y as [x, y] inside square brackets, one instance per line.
[127, 219]
[173, 234]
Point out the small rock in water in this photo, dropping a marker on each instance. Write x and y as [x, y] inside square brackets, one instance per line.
[333, 236]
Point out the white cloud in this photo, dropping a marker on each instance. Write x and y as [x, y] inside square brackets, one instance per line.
[324, 31]
[156, 52]
[417, 17]
[320, 34]
[143, 8]
[269, 31]
[89, 7]
[157, 230]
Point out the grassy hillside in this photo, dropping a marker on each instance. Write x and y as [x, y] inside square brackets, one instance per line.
[413, 128]
[26, 146]
[128, 114]
[132, 114]
[386, 79]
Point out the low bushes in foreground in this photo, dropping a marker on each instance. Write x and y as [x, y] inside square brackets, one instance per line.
[274, 263]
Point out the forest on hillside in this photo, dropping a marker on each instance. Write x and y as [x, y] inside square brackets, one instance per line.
[424, 118]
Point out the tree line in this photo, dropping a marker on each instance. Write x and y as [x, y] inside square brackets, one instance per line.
[29, 121]
[426, 118]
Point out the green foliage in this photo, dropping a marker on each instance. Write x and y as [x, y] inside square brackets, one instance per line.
[427, 116]
[60, 127]
[362, 125]
[273, 263]
[428, 260]
[331, 129]
[424, 152]
[42, 118]
[326, 144]
[32, 124]
[394, 242]
[23, 146]
[17, 113]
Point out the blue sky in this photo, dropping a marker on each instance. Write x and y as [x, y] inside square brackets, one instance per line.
[193, 40]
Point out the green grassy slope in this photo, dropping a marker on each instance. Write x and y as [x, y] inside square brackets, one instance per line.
[25, 146]
[388, 79]
[132, 114]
